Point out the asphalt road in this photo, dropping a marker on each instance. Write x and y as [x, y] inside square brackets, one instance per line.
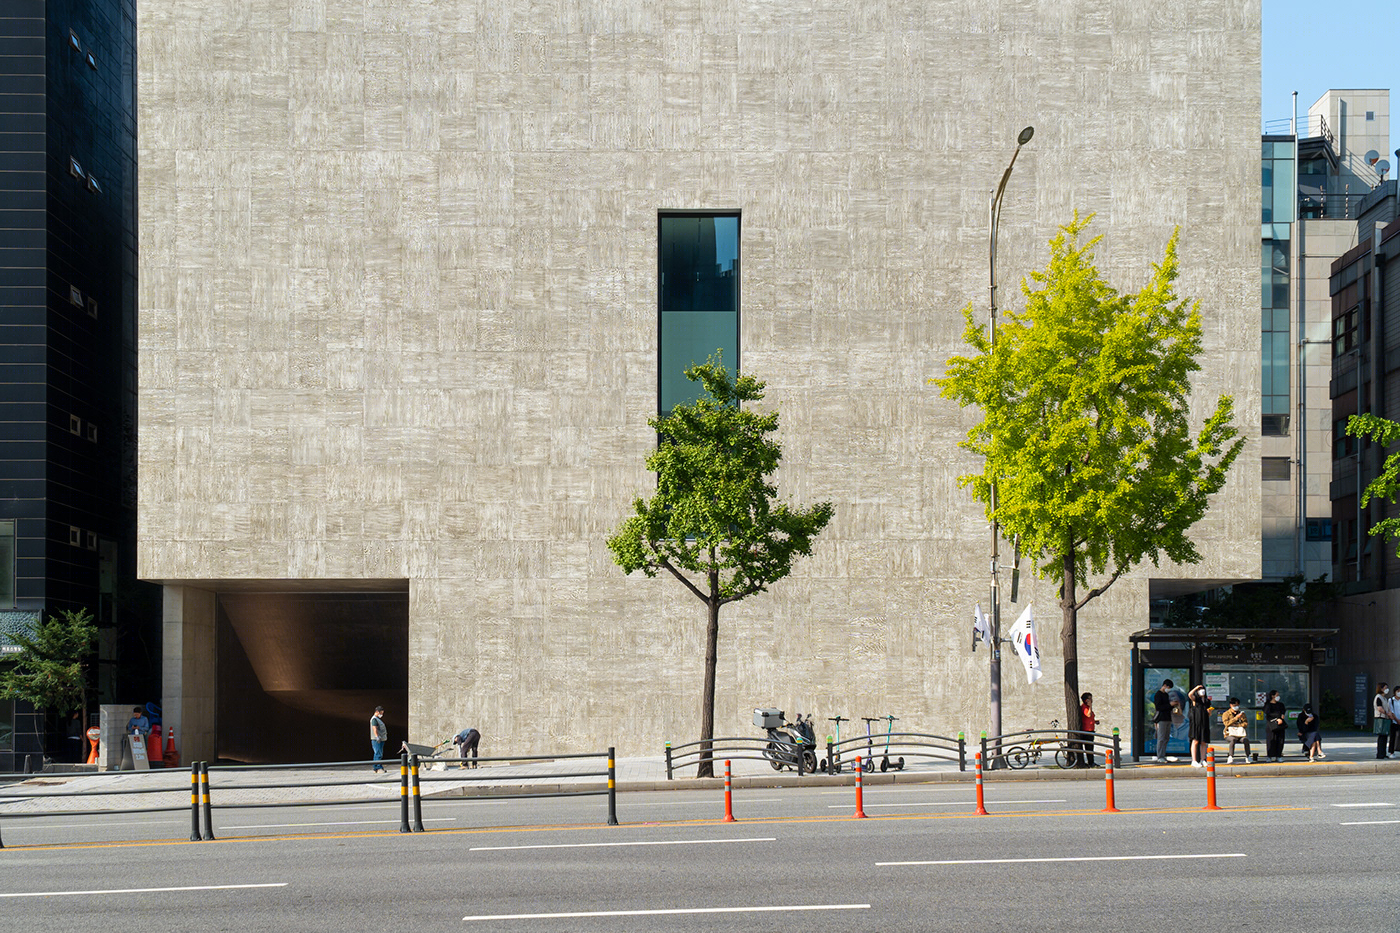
[1312, 854]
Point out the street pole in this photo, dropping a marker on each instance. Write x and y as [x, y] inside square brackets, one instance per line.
[994, 215]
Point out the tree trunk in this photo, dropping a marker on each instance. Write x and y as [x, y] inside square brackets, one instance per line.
[1069, 642]
[707, 705]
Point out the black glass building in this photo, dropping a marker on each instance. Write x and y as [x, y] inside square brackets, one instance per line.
[68, 345]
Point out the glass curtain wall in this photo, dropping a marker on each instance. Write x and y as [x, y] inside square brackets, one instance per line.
[698, 288]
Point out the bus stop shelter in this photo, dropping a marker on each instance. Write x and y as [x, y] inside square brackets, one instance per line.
[1246, 663]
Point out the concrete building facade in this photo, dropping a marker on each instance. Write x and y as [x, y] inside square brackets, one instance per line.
[400, 338]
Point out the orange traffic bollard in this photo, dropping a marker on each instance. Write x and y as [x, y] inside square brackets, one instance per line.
[1210, 780]
[154, 755]
[981, 807]
[728, 796]
[94, 735]
[1108, 782]
[860, 803]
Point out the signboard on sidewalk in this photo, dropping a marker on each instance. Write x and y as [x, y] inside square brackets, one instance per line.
[137, 744]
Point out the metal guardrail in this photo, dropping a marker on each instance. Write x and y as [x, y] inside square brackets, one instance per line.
[779, 754]
[1019, 749]
[409, 780]
[884, 749]
[1330, 206]
[39, 793]
[802, 757]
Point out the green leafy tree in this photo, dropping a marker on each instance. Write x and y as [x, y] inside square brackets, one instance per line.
[50, 670]
[1386, 486]
[715, 523]
[1085, 427]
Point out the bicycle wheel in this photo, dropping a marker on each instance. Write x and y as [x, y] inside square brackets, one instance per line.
[1065, 758]
[1017, 757]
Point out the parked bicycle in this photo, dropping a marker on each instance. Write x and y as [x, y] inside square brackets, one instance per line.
[1018, 756]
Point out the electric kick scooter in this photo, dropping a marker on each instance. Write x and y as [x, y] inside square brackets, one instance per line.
[834, 765]
[885, 763]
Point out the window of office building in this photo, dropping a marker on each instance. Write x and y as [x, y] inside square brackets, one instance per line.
[7, 564]
[1274, 362]
[1280, 188]
[698, 288]
[1344, 332]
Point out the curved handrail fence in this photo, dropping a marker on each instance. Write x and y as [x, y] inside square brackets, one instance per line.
[831, 758]
[779, 754]
[891, 751]
[1066, 747]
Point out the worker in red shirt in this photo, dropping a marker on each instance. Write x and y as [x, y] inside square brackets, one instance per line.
[1087, 722]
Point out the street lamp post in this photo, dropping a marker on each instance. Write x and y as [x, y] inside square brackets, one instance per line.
[994, 214]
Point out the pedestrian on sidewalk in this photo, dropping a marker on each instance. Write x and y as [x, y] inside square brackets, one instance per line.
[1393, 709]
[1087, 724]
[1198, 725]
[378, 735]
[1381, 723]
[467, 739]
[1162, 720]
[1275, 726]
[1310, 733]
[1236, 729]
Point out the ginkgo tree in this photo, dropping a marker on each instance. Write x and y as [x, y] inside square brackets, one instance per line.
[1086, 427]
[715, 523]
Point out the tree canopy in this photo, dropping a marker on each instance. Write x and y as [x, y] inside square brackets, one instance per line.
[715, 522]
[1085, 430]
[50, 669]
[1386, 486]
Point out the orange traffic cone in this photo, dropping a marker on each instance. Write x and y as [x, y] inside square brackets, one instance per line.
[171, 757]
[93, 735]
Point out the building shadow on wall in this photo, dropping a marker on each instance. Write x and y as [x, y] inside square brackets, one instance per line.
[301, 673]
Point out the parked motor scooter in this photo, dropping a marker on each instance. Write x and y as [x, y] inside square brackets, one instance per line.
[786, 738]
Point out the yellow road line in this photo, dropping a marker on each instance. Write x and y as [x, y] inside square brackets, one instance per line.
[460, 831]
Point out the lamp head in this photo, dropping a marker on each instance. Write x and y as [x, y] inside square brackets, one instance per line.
[1025, 136]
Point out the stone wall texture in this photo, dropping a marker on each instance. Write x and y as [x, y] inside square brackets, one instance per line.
[399, 320]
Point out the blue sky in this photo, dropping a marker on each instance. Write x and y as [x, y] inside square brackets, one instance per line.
[1310, 47]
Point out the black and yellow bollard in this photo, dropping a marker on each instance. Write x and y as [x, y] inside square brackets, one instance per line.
[417, 795]
[403, 793]
[208, 807]
[194, 802]
[612, 787]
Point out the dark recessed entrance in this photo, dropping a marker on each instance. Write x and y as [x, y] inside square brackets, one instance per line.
[300, 673]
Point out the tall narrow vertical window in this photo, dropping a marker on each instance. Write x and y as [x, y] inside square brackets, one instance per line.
[698, 290]
[1275, 359]
[7, 564]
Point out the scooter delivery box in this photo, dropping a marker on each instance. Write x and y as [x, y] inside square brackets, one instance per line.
[768, 718]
